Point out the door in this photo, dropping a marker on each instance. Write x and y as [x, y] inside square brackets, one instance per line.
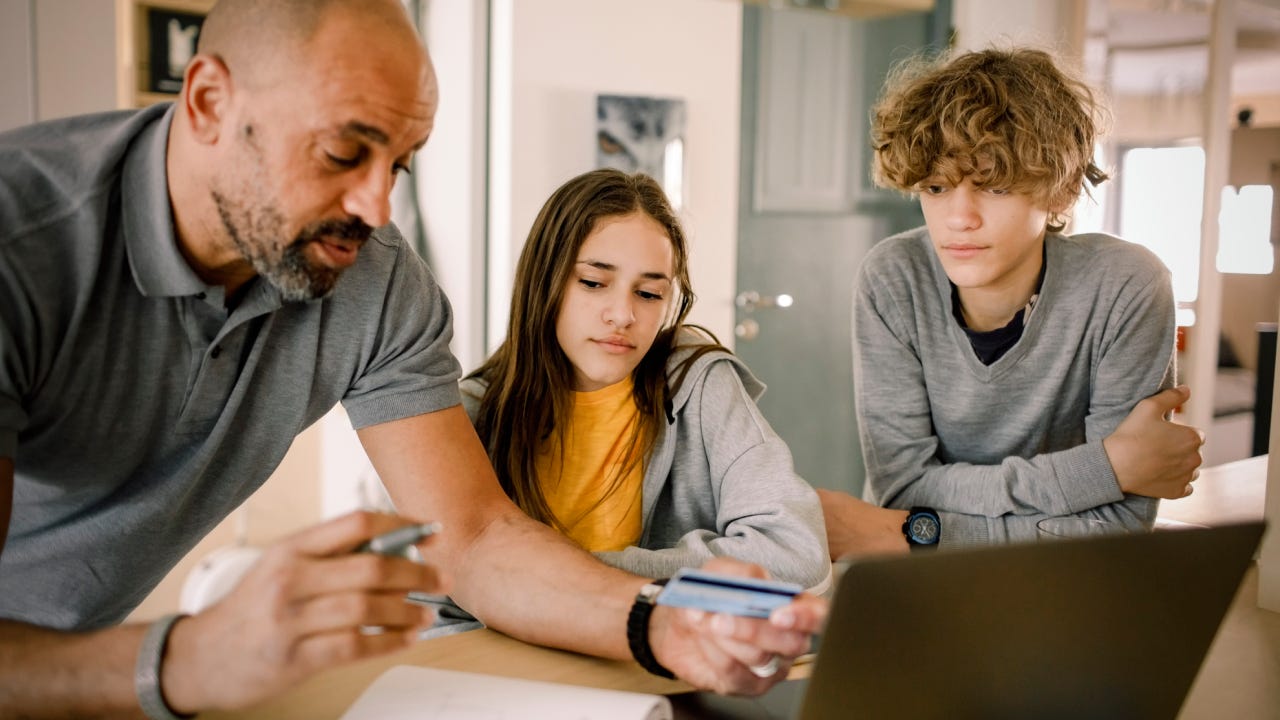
[809, 214]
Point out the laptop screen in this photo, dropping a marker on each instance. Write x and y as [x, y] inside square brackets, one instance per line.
[1096, 627]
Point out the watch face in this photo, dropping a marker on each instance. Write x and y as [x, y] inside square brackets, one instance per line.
[924, 529]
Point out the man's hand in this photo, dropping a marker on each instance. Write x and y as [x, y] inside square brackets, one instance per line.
[717, 652]
[1151, 455]
[308, 604]
[855, 527]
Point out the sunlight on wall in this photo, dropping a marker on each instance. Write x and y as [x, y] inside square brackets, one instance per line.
[673, 172]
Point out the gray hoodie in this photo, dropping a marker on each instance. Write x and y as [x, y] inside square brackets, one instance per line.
[720, 482]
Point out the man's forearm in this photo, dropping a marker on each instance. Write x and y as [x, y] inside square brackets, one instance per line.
[518, 576]
[524, 579]
[46, 673]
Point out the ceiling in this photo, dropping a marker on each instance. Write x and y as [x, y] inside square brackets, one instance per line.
[853, 8]
[1143, 47]
[1161, 46]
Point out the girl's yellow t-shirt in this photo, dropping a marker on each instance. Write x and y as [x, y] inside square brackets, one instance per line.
[600, 511]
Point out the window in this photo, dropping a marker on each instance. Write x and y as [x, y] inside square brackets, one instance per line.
[1244, 231]
[1161, 204]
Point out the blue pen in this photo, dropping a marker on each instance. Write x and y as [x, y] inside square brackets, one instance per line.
[396, 542]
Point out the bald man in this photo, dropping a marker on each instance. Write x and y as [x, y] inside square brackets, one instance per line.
[185, 288]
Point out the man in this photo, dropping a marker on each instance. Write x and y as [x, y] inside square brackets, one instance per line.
[218, 260]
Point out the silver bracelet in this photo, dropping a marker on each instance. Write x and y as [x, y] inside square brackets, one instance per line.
[146, 673]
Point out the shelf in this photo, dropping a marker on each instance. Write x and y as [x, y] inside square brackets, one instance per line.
[142, 78]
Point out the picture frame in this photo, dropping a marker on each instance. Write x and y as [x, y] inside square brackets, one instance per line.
[170, 38]
[636, 133]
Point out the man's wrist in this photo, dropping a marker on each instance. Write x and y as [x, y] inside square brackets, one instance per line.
[149, 670]
[184, 682]
[640, 627]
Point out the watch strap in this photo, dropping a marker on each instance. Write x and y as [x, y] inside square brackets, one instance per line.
[146, 673]
[638, 629]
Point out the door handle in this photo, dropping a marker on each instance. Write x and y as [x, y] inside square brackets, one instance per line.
[750, 301]
[748, 329]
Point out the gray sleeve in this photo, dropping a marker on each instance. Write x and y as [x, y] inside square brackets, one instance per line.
[989, 503]
[411, 371]
[472, 391]
[13, 416]
[16, 361]
[765, 513]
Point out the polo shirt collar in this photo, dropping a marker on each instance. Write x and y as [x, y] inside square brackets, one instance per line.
[158, 266]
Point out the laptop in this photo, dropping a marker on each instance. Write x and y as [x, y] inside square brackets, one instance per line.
[1106, 627]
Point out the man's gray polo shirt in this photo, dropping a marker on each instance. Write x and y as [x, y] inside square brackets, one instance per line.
[138, 411]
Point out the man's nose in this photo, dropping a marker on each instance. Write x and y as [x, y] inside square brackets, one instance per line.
[369, 198]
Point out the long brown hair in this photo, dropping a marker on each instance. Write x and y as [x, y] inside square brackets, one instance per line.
[529, 378]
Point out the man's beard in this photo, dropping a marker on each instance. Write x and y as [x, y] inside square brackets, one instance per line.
[256, 233]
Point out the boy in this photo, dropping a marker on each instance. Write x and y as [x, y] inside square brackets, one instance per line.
[1000, 366]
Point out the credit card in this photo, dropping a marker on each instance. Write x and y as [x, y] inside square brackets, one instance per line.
[713, 592]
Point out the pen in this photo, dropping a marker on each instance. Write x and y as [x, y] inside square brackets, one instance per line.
[395, 542]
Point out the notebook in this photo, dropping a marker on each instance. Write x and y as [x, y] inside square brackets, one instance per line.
[1105, 627]
[407, 692]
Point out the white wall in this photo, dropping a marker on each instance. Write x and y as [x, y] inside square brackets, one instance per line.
[551, 59]
[57, 58]
[452, 168]
[75, 57]
[1053, 24]
[17, 76]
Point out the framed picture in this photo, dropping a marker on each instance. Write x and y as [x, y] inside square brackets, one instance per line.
[643, 134]
[171, 42]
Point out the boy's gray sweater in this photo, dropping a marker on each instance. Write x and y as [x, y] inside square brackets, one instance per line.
[995, 448]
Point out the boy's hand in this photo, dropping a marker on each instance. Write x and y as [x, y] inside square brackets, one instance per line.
[1151, 455]
[856, 527]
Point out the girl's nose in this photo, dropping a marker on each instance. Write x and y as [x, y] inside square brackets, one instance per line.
[620, 313]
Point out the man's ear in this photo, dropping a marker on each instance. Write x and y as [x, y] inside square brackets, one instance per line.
[206, 97]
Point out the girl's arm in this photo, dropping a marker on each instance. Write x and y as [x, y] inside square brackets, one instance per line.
[764, 512]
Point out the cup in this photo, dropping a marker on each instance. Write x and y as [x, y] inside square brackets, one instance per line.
[1066, 527]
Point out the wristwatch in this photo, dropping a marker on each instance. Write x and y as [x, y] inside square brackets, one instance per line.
[923, 528]
[638, 629]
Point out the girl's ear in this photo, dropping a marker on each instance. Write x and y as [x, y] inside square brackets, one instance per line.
[206, 97]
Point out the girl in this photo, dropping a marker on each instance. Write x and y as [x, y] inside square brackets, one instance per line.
[609, 419]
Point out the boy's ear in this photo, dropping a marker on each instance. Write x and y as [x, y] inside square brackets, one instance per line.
[206, 97]
[1060, 206]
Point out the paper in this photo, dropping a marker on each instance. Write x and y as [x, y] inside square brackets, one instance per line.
[416, 693]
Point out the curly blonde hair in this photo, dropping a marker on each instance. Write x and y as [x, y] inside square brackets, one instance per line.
[1010, 119]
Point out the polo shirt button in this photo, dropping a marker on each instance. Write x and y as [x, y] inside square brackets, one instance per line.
[200, 296]
[215, 352]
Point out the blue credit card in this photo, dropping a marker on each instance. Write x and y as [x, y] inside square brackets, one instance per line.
[730, 594]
